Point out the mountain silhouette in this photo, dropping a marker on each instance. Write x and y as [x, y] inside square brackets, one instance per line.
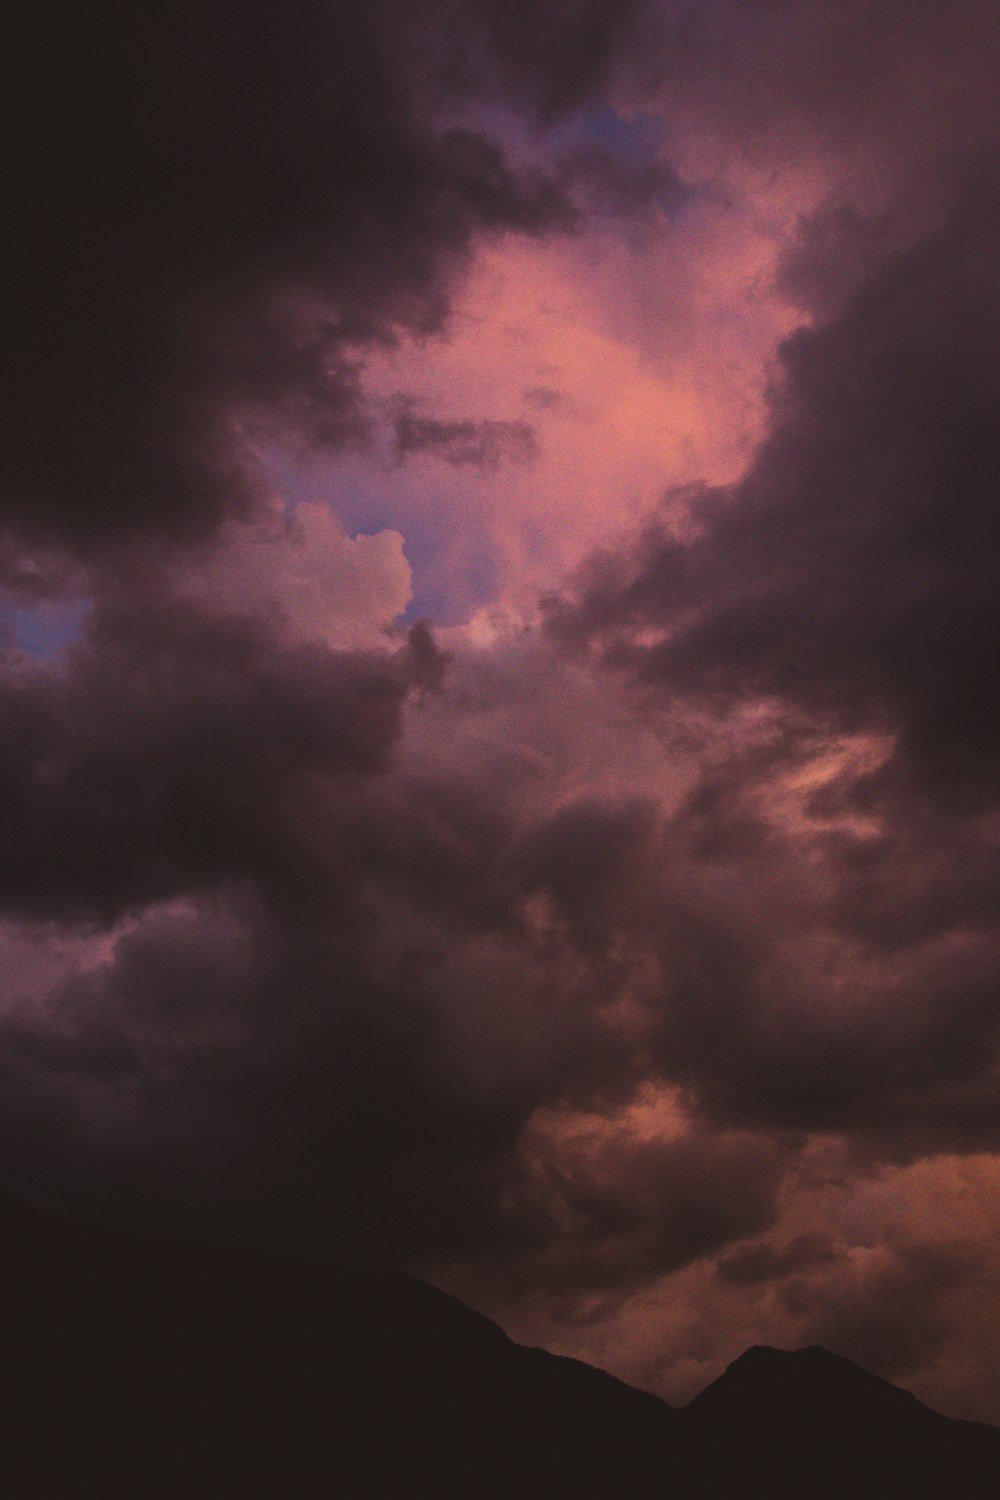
[818, 1425]
[154, 1370]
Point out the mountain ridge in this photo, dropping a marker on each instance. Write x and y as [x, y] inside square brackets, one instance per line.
[151, 1369]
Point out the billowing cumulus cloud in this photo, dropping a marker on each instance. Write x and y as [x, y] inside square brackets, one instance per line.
[300, 572]
[627, 963]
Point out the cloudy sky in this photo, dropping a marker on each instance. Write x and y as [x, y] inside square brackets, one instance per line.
[499, 592]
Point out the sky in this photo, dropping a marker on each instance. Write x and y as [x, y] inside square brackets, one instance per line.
[498, 605]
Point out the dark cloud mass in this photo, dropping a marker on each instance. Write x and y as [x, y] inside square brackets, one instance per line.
[851, 572]
[213, 211]
[169, 754]
[482, 445]
[214, 214]
[764, 1262]
[849, 581]
[649, 950]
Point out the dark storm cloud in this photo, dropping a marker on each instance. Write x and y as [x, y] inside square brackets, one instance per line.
[337, 989]
[847, 586]
[212, 211]
[892, 1316]
[620, 186]
[832, 255]
[925, 874]
[559, 54]
[611, 1213]
[482, 444]
[290, 1024]
[898, 1048]
[306, 1080]
[172, 752]
[321, 1036]
[214, 214]
[909, 82]
[852, 572]
[592, 859]
[325, 1020]
[255, 1073]
[758, 1264]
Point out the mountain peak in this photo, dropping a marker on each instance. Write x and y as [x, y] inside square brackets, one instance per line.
[808, 1360]
[812, 1386]
[768, 1351]
[810, 1352]
[247, 1376]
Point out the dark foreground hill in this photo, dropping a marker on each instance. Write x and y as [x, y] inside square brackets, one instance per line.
[135, 1368]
